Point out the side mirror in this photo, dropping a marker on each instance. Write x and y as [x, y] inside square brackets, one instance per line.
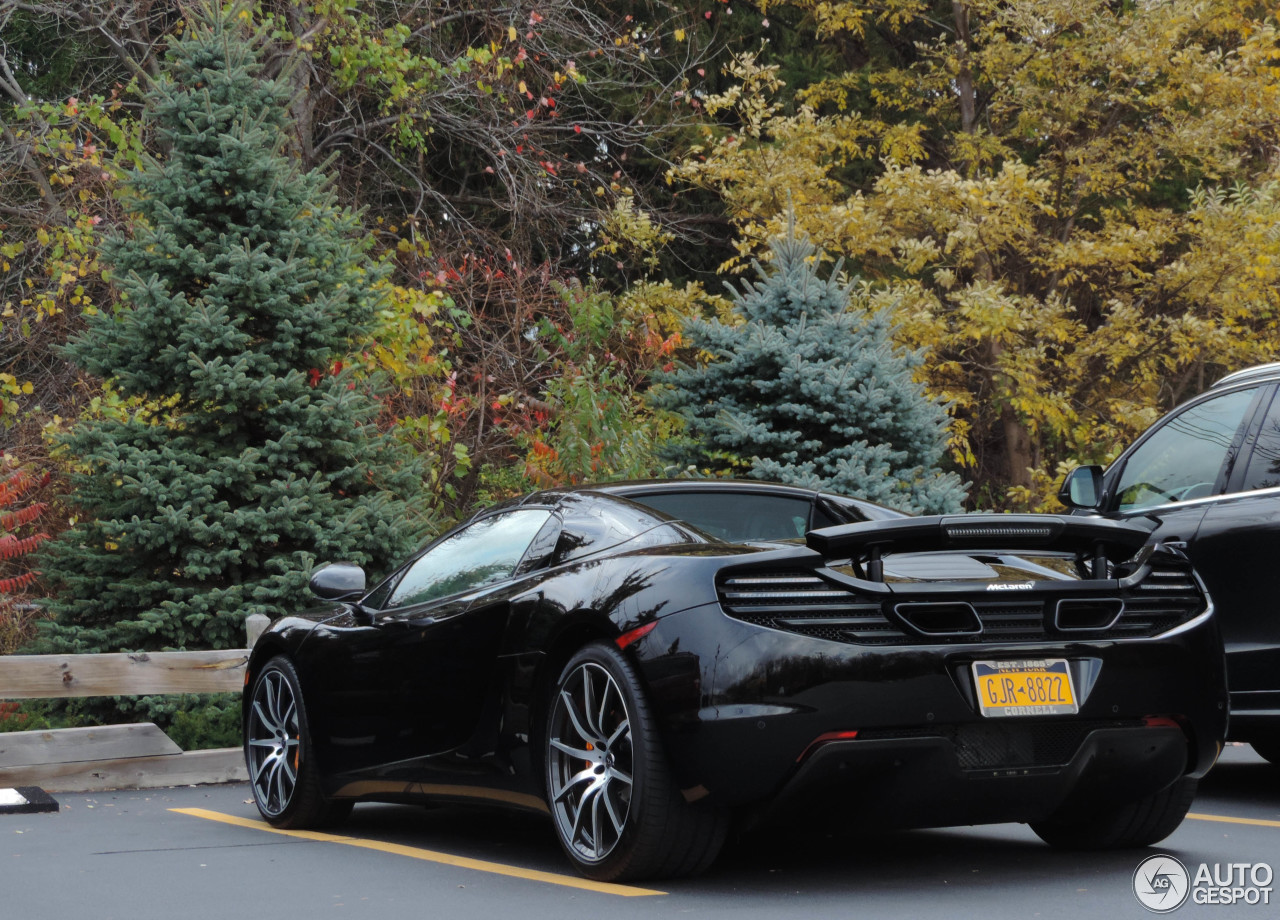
[1082, 487]
[338, 581]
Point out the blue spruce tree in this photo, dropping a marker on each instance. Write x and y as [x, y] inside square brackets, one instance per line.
[810, 391]
[250, 453]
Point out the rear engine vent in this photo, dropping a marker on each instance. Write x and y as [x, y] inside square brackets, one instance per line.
[1162, 600]
[809, 605]
[806, 604]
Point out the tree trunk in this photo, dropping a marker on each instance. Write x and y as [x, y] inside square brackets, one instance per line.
[302, 108]
[1011, 436]
[964, 76]
[1019, 456]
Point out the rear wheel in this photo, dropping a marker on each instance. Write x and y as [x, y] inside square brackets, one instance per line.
[277, 751]
[1138, 824]
[615, 806]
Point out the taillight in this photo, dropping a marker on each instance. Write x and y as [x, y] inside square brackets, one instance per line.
[823, 739]
[638, 633]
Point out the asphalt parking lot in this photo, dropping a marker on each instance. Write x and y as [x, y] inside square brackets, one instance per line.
[201, 852]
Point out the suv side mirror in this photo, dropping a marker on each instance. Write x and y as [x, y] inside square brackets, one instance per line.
[338, 581]
[1082, 487]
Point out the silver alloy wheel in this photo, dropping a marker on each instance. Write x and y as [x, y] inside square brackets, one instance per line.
[274, 739]
[589, 761]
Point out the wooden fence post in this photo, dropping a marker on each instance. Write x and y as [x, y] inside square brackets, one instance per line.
[254, 625]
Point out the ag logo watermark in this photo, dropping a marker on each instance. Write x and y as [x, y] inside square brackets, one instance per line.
[1163, 884]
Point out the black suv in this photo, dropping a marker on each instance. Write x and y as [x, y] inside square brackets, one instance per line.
[1209, 474]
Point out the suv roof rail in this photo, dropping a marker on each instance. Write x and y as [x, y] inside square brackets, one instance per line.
[1248, 373]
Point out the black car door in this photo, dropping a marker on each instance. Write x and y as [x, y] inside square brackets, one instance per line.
[411, 683]
[1235, 549]
[1187, 474]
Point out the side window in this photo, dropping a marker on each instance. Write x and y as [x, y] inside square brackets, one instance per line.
[1182, 458]
[593, 523]
[1263, 471]
[736, 516]
[487, 551]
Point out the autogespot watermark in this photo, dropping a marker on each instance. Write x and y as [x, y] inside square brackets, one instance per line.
[1163, 883]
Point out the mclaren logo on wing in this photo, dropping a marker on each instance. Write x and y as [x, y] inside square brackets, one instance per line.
[1011, 586]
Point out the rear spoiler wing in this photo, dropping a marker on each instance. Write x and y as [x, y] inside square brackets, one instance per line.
[1097, 539]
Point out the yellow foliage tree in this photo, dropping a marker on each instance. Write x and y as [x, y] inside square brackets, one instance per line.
[1075, 204]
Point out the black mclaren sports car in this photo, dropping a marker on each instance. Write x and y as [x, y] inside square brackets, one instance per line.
[644, 683]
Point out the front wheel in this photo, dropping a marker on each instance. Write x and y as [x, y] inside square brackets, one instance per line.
[615, 806]
[1138, 824]
[277, 751]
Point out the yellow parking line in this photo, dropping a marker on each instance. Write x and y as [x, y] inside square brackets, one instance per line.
[1260, 822]
[447, 859]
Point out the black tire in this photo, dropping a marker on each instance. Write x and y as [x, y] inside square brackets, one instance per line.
[277, 751]
[1138, 824]
[1268, 748]
[615, 806]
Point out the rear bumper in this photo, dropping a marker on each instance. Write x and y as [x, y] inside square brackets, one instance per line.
[741, 707]
[919, 782]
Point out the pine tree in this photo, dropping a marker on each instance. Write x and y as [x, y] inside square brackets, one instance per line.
[244, 451]
[811, 391]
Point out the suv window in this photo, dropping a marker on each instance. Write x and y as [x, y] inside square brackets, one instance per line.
[1181, 459]
[487, 551]
[1263, 471]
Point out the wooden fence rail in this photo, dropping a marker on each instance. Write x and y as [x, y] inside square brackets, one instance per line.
[33, 677]
[138, 756]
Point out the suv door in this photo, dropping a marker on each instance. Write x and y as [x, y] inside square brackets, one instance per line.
[1209, 473]
[1236, 547]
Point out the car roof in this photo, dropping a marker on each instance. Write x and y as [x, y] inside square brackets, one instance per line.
[636, 489]
[574, 499]
[1257, 372]
[644, 486]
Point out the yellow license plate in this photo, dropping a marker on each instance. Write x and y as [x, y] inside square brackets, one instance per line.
[1024, 688]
